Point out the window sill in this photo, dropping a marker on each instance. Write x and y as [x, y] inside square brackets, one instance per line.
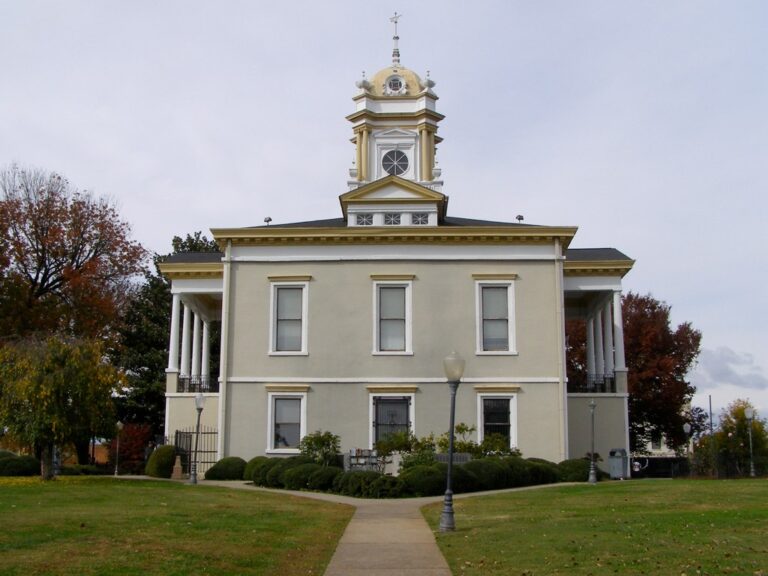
[283, 451]
[297, 353]
[496, 352]
[392, 353]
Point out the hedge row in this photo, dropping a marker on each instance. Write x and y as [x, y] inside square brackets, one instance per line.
[301, 473]
[12, 465]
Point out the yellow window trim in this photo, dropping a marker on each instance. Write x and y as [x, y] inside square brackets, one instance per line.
[392, 389]
[496, 388]
[295, 278]
[393, 276]
[287, 387]
[494, 276]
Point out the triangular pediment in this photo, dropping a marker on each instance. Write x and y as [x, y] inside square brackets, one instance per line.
[393, 189]
[394, 133]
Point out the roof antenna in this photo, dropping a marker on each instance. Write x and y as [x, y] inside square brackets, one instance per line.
[519, 218]
[395, 50]
[267, 220]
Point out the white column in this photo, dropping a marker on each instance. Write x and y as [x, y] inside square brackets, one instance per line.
[599, 358]
[196, 338]
[205, 369]
[186, 337]
[590, 346]
[608, 338]
[173, 345]
[618, 333]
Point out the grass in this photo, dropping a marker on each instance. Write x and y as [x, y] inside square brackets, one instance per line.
[676, 527]
[83, 526]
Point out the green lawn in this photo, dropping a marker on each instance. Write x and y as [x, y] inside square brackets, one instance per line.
[656, 527]
[82, 526]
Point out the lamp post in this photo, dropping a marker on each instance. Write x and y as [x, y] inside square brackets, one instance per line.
[199, 405]
[750, 413]
[592, 470]
[687, 431]
[453, 364]
[117, 449]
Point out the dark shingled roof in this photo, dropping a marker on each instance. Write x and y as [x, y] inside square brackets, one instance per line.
[448, 221]
[194, 257]
[592, 254]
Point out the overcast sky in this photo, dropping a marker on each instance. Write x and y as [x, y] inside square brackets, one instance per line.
[643, 123]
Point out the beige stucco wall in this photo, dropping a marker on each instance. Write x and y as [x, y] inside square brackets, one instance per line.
[181, 413]
[340, 330]
[343, 408]
[610, 425]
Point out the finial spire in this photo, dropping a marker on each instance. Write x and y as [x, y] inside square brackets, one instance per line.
[395, 38]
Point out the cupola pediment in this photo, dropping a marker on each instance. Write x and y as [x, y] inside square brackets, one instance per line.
[391, 191]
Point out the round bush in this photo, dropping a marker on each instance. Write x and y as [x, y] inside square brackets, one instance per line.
[6, 454]
[20, 466]
[261, 468]
[543, 471]
[251, 464]
[161, 461]
[491, 474]
[386, 487]
[297, 478]
[274, 478]
[229, 468]
[574, 470]
[518, 472]
[355, 483]
[322, 480]
[424, 480]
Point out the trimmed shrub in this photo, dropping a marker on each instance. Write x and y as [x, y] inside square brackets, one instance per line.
[229, 468]
[20, 466]
[274, 478]
[425, 457]
[491, 473]
[322, 480]
[161, 461]
[386, 487]
[543, 471]
[574, 470]
[297, 478]
[83, 470]
[251, 465]
[424, 480]
[355, 483]
[6, 454]
[518, 472]
[262, 468]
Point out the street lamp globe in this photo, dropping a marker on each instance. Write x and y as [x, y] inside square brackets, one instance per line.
[453, 365]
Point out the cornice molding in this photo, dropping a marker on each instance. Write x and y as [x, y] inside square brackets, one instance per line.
[176, 270]
[598, 267]
[365, 113]
[357, 235]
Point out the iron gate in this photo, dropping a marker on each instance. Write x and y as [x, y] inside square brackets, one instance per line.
[184, 441]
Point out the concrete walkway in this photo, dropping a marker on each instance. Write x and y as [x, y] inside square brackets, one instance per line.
[384, 537]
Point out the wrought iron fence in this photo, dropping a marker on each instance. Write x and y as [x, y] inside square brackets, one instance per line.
[184, 441]
[197, 384]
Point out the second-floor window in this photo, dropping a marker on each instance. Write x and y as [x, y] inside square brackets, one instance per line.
[289, 322]
[392, 329]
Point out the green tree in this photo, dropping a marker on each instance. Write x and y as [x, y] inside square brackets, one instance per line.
[658, 359]
[143, 341]
[67, 261]
[54, 392]
[732, 441]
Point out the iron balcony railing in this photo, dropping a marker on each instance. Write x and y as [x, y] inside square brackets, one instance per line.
[197, 384]
[592, 383]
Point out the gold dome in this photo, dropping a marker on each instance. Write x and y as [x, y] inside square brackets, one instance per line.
[383, 83]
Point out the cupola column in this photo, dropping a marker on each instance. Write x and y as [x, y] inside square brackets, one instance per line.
[426, 171]
[364, 167]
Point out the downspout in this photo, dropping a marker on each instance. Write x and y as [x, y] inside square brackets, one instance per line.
[224, 353]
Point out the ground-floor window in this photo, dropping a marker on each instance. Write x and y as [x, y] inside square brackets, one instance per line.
[497, 415]
[287, 422]
[391, 414]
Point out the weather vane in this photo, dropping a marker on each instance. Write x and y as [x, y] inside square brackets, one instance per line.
[395, 50]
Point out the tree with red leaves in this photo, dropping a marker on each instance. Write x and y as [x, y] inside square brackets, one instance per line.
[67, 258]
[658, 360]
